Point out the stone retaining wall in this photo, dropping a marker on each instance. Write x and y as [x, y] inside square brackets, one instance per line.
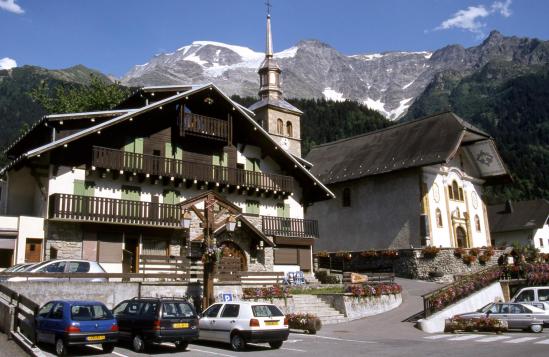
[358, 307]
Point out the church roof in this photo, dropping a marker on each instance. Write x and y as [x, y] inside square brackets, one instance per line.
[277, 103]
[521, 215]
[426, 141]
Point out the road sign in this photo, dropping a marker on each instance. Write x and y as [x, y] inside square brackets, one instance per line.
[227, 296]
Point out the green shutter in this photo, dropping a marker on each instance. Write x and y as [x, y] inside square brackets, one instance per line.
[178, 153]
[280, 210]
[225, 161]
[84, 188]
[131, 193]
[138, 147]
[215, 160]
[257, 167]
[171, 197]
[252, 207]
[168, 152]
[130, 146]
[249, 164]
[286, 211]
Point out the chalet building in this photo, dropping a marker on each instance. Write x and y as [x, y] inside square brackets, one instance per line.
[523, 222]
[113, 185]
[413, 184]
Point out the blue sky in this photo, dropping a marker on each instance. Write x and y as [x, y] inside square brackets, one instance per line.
[112, 36]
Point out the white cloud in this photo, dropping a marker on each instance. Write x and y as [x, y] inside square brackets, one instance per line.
[470, 19]
[502, 8]
[7, 63]
[11, 6]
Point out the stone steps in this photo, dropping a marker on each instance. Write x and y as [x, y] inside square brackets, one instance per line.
[313, 305]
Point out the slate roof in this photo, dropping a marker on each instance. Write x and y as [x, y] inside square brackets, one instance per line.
[523, 215]
[426, 141]
[278, 103]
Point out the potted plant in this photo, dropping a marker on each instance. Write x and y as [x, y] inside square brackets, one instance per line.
[430, 252]
[307, 322]
[459, 252]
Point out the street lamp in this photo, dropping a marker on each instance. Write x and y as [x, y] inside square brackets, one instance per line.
[231, 223]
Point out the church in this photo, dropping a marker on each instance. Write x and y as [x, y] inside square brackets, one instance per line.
[171, 170]
[411, 185]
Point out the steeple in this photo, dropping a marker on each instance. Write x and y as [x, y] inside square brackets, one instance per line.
[269, 71]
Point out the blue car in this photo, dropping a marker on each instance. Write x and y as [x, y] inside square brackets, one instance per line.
[69, 323]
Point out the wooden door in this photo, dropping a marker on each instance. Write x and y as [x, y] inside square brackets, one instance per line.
[231, 253]
[33, 250]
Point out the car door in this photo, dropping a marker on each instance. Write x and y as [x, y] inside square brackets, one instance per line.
[226, 321]
[132, 321]
[123, 325]
[41, 322]
[501, 313]
[56, 323]
[55, 267]
[520, 316]
[207, 323]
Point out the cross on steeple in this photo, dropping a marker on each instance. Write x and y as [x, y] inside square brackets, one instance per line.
[268, 4]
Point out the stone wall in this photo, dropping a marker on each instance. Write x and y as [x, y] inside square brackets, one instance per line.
[410, 263]
[66, 238]
[358, 307]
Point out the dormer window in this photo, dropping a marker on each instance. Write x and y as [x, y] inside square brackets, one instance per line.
[279, 127]
[289, 129]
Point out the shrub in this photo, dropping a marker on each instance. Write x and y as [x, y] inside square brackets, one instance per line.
[368, 290]
[481, 324]
[459, 252]
[390, 253]
[308, 322]
[368, 254]
[474, 252]
[430, 252]
[325, 278]
[468, 259]
[275, 291]
[322, 254]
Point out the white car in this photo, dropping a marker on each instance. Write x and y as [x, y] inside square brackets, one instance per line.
[66, 266]
[239, 323]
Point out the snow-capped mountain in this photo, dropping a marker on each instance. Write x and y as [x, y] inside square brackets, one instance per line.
[388, 82]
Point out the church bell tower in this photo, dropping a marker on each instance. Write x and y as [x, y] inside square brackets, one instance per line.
[278, 117]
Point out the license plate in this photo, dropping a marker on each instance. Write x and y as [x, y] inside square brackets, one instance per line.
[271, 323]
[181, 325]
[95, 338]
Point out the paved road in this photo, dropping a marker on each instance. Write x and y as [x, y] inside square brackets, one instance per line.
[382, 335]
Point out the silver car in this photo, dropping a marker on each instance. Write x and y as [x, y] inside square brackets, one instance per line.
[66, 266]
[518, 316]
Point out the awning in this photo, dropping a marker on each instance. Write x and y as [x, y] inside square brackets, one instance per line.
[7, 243]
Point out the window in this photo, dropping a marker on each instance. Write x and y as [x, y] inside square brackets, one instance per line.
[79, 267]
[57, 312]
[213, 310]
[266, 311]
[289, 129]
[45, 310]
[58, 267]
[177, 309]
[120, 308]
[279, 127]
[541, 242]
[477, 223]
[133, 308]
[230, 310]
[525, 296]
[155, 247]
[150, 308]
[438, 215]
[89, 313]
[543, 294]
[346, 197]
[450, 192]
[252, 207]
[518, 309]
[455, 192]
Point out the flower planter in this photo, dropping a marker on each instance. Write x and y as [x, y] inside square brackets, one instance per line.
[486, 324]
[306, 322]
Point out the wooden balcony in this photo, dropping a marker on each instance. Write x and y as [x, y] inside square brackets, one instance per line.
[111, 210]
[204, 126]
[158, 166]
[290, 227]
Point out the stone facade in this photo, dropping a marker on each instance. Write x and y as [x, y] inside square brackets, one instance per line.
[257, 258]
[64, 237]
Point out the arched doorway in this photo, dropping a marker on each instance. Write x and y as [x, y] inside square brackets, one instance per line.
[461, 237]
[233, 255]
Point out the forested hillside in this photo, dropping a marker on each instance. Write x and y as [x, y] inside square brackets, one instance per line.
[511, 102]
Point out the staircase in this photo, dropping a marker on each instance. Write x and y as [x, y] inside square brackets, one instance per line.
[311, 304]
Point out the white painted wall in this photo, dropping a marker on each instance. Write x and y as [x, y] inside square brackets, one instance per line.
[543, 234]
[435, 322]
[29, 227]
[9, 223]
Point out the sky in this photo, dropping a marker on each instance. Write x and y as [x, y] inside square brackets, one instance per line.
[114, 35]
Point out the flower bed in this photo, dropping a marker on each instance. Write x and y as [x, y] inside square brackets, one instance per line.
[308, 322]
[430, 252]
[462, 288]
[483, 324]
[368, 290]
[275, 291]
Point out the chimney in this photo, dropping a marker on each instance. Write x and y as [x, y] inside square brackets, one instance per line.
[508, 206]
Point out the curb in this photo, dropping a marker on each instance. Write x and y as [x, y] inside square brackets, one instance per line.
[25, 345]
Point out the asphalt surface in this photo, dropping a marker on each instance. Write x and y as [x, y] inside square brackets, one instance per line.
[382, 335]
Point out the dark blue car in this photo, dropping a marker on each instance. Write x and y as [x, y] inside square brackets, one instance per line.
[69, 323]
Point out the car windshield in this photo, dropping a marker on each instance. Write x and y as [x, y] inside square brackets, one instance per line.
[266, 311]
[487, 308]
[83, 312]
[177, 309]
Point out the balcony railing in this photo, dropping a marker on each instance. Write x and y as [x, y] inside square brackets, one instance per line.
[204, 126]
[290, 227]
[111, 210]
[159, 166]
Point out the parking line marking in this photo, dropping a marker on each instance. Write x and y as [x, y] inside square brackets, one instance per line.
[119, 354]
[292, 349]
[210, 352]
[494, 338]
[100, 349]
[464, 337]
[338, 339]
[522, 339]
[543, 342]
[437, 337]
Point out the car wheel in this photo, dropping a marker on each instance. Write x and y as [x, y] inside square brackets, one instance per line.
[536, 328]
[107, 347]
[237, 342]
[181, 345]
[60, 347]
[138, 344]
[275, 345]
